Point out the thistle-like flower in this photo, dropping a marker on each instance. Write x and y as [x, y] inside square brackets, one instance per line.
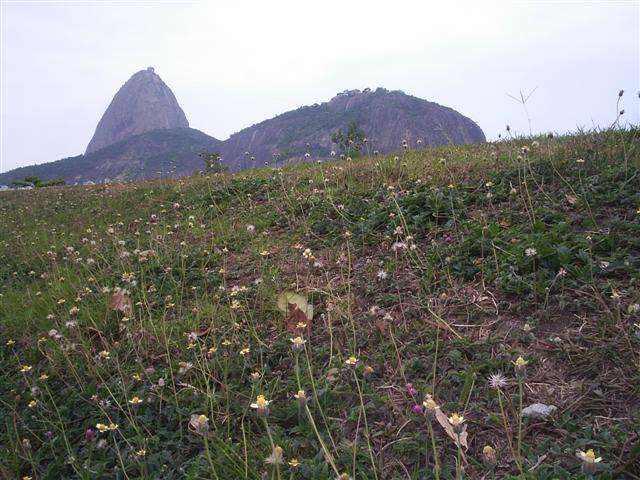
[261, 405]
[589, 461]
[497, 381]
[520, 367]
[351, 361]
[489, 456]
[301, 397]
[276, 457]
[457, 421]
[297, 344]
[199, 424]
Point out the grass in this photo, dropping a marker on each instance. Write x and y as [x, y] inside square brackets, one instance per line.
[427, 273]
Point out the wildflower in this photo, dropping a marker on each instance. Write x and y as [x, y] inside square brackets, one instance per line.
[520, 366]
[113, 426]
[104, 355]
[276, 457]
[261, 405]
[430, 406]
[381, 275]
[33, 403]
[301, 325]
[412, 391]
[294, 463]
[489, 456]
[184, 367]
[589, 461]
[351, 361]
[456, 421]
[102, 427]
[135, 401]
[580, 160]
[141, 453]
[199, 423]
[307, 253]
[497, 381]
[343, 476]
[297, 344]
[136, 377]
[417, 409]
[255, 376]
[26, 368]
[88, 435]
[10, 342]
[44, 377]
[530, 252]
[245, 351]
[301, 397]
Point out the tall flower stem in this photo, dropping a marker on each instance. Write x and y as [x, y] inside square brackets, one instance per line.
[436, 461]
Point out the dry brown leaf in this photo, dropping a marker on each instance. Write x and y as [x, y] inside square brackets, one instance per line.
[121, 302]
[443, 420]
[295, 317]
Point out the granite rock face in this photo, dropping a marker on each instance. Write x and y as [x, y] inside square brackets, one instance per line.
[386, 118]
[144, 103]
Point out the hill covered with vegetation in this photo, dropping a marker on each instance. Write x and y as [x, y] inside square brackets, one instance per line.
[154, 154]
[382, 318]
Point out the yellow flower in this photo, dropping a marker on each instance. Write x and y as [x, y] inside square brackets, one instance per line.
[141, 453]
[199, 423]
[226, 342]
[301, 326]
[589, 456]
[44, 376]
[101, 427]
[520, 362]
[136, 377]
[294, 463]
[261, 405]
[104, 355]
[33, 403]
[430, 404]
[265, 253]
[351, 360]
[298, 344]
[10, 342]
[456, 419]
[213, 350]
[113, 426]
[307, 253]
[135, 401]
[26, 368]
[245, 351]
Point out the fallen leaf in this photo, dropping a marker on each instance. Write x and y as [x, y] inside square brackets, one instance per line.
[121, 302]
[298, 310]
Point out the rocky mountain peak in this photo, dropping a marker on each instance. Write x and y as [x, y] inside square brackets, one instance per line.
[144, 103]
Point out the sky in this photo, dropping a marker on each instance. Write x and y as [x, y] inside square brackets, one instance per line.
[232, 64]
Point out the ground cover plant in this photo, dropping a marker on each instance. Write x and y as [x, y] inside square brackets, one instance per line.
[378, 318]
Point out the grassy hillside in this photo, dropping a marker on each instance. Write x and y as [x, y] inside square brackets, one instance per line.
[153, 307]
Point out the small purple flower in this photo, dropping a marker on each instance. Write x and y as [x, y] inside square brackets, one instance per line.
[412, 391]
[417, 409]
[88, 436]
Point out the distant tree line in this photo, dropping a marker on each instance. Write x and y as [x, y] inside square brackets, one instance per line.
[35, 182]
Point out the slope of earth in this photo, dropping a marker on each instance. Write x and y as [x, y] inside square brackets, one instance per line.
[155, 154]
[439, 296]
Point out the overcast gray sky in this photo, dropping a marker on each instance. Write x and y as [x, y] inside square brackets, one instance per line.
[235, 63]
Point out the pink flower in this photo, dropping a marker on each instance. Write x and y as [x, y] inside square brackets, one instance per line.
[88, 435]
